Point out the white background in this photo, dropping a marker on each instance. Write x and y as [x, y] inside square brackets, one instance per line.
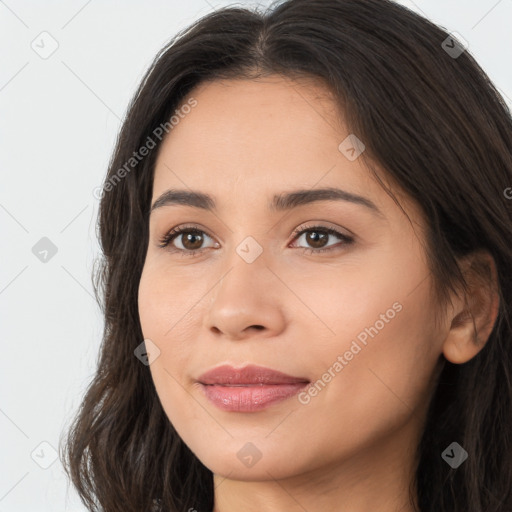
[58, 121]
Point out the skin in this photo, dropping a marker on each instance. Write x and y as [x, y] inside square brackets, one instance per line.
[351, 448]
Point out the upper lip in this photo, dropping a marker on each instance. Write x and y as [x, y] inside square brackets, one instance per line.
[250, 374]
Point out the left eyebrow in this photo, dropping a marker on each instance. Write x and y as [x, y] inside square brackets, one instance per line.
[300, 197]
[280, 202]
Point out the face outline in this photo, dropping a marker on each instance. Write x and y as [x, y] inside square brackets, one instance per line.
[245, 141]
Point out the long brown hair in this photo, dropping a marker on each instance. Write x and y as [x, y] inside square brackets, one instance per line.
[432, 119]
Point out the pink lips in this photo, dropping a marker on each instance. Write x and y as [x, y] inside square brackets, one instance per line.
[248, 389]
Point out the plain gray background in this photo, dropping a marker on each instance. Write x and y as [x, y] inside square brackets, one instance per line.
[59, 118]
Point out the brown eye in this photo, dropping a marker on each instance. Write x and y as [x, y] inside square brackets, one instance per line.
[191, 240]
[188, 240]
[317, 238]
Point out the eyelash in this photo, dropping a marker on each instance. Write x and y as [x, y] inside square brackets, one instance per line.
[174, 233]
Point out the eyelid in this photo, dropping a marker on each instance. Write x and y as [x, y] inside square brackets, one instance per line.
[319, 224]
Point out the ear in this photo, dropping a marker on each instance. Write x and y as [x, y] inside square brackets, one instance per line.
[475, 314]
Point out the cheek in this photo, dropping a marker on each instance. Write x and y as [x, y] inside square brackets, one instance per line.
[372, 342]
[379, 384]
[164, 315]
[166, 301]
[171, 304]
[378, 366]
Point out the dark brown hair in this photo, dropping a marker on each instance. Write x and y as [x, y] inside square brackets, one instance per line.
[441, 131]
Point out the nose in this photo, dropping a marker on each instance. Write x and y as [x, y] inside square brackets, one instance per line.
[247, 302]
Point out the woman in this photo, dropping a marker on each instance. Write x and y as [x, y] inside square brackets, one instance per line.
[307, 273]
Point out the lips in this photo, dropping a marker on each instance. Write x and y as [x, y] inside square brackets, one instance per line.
[249, 375]
[248, 389]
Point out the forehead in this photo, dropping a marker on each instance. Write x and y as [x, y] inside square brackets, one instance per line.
[247, 140]
[258, 130]
[265, 95]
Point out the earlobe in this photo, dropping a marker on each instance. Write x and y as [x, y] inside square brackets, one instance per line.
[475, 314]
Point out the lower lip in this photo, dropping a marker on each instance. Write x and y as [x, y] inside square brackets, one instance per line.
[250, 398]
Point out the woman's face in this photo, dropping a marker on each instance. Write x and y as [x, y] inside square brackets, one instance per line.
[355, 320]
